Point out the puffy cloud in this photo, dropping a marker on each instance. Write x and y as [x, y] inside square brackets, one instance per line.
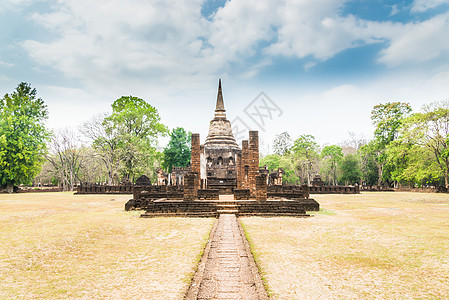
[418, 42]
[115, 42]
[424, 5]
[238, 28]
[105, 41]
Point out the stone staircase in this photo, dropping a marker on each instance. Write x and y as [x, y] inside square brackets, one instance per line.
[215, 208]
[227, 207]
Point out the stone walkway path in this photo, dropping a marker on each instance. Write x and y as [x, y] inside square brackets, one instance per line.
[227, 269]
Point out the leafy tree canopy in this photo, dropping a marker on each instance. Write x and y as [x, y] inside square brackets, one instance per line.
[274, 162]
[137, 125]
[177, 152]
[387, 118]
[305, 146]
[430, 129]
[350, 169]
[271, 161]
[368, 165]
[134, 117]
[333, 153]
[22, 135]
[332, 156]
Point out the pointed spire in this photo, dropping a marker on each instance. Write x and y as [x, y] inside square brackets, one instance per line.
[220, 104]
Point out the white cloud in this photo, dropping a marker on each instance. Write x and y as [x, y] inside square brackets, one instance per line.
[423, 5]
[119, 43]
[7, 5]
[418, 42]
[239, 26]
[306, 28]
[6, 64]
[394, 10]
[106, 42]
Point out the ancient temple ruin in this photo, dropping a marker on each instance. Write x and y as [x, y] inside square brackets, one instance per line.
[219, 170]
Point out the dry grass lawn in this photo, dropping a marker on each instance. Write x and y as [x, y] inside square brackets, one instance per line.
[368, 246]
[61, 246]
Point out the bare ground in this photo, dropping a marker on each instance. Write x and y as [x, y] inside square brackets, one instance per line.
[61, 246]
[368, 246]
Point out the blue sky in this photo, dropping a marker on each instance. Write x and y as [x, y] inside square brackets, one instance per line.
[324, 64]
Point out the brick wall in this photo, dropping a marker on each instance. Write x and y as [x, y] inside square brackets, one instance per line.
[208, 194]
[334, 189]
[241, 194]
[104, 189]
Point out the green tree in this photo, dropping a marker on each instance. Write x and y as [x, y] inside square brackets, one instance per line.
[22, 136]
[274, 162]
[430, 129]
[387, 119]
[305, 154]
[421, 168]
[368, 165]
[350, 170]
[331, 156]
[271, 161]
[177, 152]
[137, 126]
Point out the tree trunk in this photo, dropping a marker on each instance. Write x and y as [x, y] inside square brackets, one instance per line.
[10, 188]
[446, 181]
[379, 172]
[110, 178]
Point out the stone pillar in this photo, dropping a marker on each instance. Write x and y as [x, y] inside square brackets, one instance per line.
[245, 172]
[253, 161]
[191, 186]
[306, 190]
[195, 165]
[239, 171]
[261, 187]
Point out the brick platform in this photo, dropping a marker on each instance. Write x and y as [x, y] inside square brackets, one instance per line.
[201, 208]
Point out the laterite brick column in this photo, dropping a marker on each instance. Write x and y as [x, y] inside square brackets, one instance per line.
[245, 166]
[240, 171]
[306, 190]
[190, 186]
[253, 161]
[195, 157]
[261, 187]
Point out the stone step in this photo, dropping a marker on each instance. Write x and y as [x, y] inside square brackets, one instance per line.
[227, 211]
[180, 214]
[226, 197]
[280, 214]
[226, 206]
[224, 202]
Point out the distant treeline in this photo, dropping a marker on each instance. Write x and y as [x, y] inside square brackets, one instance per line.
[407, 149]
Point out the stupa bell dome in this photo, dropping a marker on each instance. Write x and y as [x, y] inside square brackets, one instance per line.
[220, 130]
